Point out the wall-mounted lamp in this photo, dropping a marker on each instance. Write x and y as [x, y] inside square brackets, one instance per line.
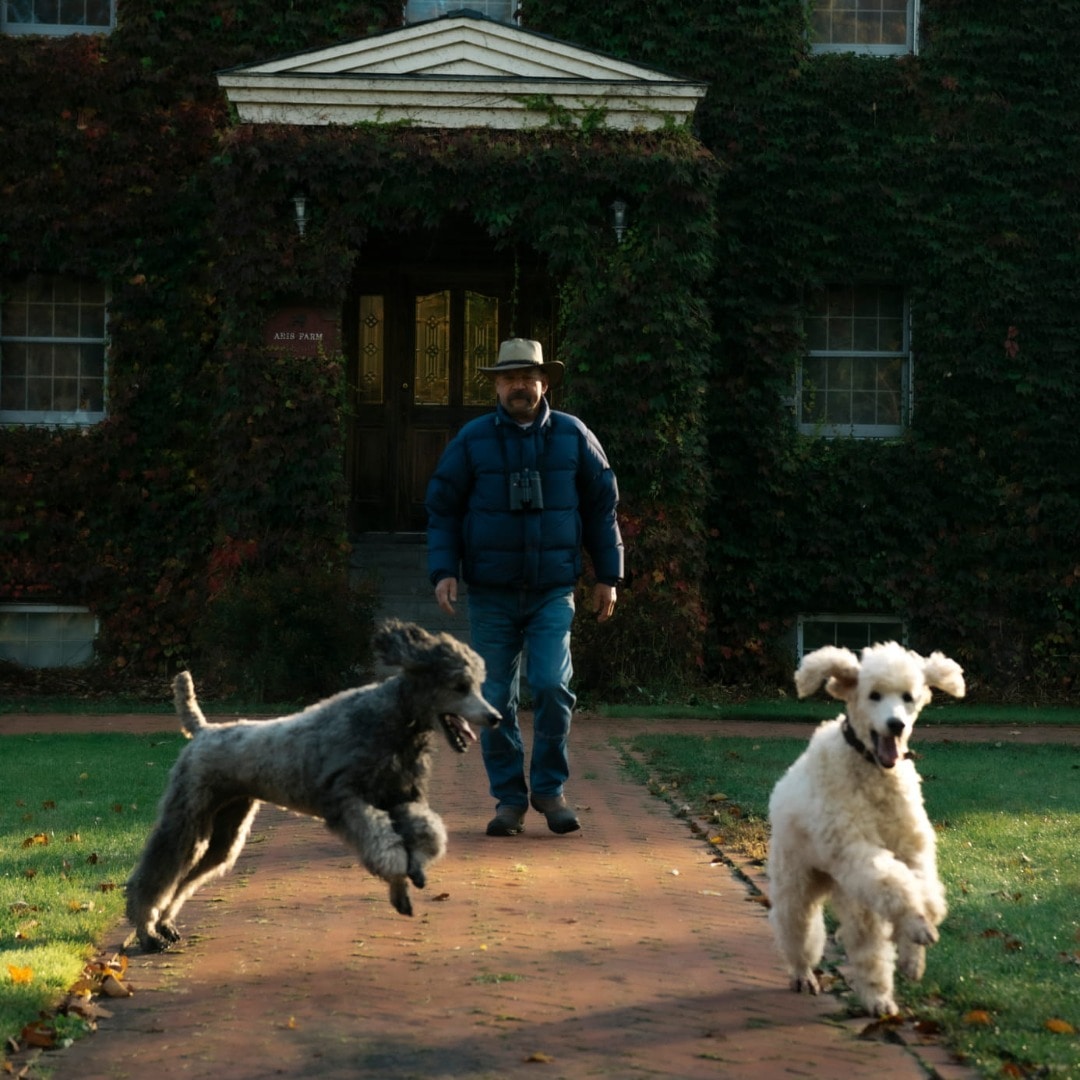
[618, 219]
[300, 203]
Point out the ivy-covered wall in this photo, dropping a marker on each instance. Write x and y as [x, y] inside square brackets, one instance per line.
[954, 173]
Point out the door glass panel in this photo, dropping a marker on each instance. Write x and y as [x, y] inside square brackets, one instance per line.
[481, 346]
[372, 351]
[431, 373]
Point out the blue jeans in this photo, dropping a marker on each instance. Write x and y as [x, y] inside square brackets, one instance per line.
[504, 622]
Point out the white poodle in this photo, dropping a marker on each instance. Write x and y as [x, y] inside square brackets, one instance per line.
[848, 824]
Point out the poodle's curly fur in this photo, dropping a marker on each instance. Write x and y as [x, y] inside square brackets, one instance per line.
[359, 760]
[849, 826]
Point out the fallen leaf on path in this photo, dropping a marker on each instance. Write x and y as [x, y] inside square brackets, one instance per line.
[538, 1058]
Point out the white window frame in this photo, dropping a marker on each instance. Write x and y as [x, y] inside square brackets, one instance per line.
[864, 620]
[909, 46]
[10, 24]
[904, 354]
[55, 417]
[505, 11]
[62, 639]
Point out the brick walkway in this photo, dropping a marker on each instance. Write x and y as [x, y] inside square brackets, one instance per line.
[618, 952]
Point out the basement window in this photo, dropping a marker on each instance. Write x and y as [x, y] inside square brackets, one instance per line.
[852, 632]
[873, 27]
[47, 635]
[57, 17]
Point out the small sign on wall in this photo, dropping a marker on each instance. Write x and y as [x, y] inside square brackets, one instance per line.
[302, 331]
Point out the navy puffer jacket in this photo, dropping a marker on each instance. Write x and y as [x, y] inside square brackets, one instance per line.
[471, 525]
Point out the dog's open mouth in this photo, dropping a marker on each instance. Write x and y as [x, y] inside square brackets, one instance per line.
[458, 732]
[886, 750]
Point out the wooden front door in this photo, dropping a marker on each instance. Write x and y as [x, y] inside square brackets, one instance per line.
[415, 337]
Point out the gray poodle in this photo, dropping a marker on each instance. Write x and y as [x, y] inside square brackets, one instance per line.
[359, 760]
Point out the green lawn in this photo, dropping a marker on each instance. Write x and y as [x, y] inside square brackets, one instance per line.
[1003, 984]
[74, 813]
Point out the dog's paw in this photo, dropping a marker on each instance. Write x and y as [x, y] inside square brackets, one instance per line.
[919, 930]
[152, 942]
[399, 896]
[805, 983]
[881, 1005]
[167, 931]
[912, 961]
[416, 874]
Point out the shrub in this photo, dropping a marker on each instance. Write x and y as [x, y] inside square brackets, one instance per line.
[287, 633]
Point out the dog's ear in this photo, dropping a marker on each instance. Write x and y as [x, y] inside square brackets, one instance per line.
[396, 643]
[837, 668]
[944, 674]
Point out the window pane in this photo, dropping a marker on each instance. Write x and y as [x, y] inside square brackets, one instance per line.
[481, 346]
[99, 13]
[838, 407]
[66, 320]
[372, 350]
[39, 319]
[73, 12]
[431, 372]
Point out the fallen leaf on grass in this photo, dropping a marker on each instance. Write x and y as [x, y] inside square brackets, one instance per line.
[21, 974]
[977, 1017]
[1059, 1026]
[37, 840]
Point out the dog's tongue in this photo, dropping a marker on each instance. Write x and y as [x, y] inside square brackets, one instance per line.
[887, 751]
[461, 725]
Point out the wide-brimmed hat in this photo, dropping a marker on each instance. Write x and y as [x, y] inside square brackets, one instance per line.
[521, 354]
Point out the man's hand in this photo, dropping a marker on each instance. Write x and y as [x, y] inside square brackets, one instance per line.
[446, 594]
[603, 602]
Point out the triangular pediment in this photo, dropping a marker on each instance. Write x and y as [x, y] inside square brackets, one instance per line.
[462, 70]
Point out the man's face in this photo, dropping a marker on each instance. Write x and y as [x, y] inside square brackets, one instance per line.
[519, 393]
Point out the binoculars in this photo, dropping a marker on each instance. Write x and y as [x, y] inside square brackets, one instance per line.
[525, 491]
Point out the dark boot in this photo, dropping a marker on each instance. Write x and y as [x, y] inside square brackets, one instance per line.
[560, 818]
[508, 821]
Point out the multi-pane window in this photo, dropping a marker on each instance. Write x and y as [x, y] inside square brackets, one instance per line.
[855, 378]
[852, 632]
[52, 351]
[43, 635]
[880, 27]
[421, 10]
[57, 16]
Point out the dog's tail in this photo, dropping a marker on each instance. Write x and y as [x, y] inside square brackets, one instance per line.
[187, 708]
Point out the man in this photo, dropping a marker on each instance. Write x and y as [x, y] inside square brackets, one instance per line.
[515, 496]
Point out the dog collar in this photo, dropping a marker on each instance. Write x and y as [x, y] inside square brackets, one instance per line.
[856, 743]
